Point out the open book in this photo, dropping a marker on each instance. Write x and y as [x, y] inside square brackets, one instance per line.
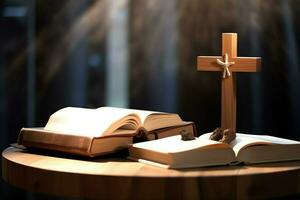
[172, 152]
[93, 132]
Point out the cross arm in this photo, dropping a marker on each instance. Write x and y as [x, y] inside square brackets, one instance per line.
[208, 63]
[246, 64]
[242, 64]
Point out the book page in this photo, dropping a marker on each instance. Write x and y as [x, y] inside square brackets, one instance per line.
[271, 139]
[174, 144]
[150, 120]
[162, 120]
[244, 140]
[143, 114]
[90, 122]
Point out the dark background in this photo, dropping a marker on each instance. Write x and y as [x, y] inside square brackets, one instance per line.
[54, 53]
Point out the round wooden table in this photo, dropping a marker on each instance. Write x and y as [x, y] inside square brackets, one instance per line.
[117, 178]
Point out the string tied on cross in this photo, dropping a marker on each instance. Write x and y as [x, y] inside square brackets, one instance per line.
[225, 64]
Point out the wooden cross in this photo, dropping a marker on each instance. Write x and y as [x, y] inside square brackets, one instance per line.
[228, 64]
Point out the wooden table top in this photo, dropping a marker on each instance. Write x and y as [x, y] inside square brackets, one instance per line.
[115, 177]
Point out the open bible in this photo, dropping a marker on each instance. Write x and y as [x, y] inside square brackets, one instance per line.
[172, 152]
[92, 132]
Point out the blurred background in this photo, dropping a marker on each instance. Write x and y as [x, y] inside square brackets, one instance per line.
[142, 54]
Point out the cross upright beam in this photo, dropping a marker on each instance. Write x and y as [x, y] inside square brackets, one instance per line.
[229, 64]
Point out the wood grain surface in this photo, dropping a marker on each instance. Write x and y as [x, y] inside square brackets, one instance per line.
[117, 178]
